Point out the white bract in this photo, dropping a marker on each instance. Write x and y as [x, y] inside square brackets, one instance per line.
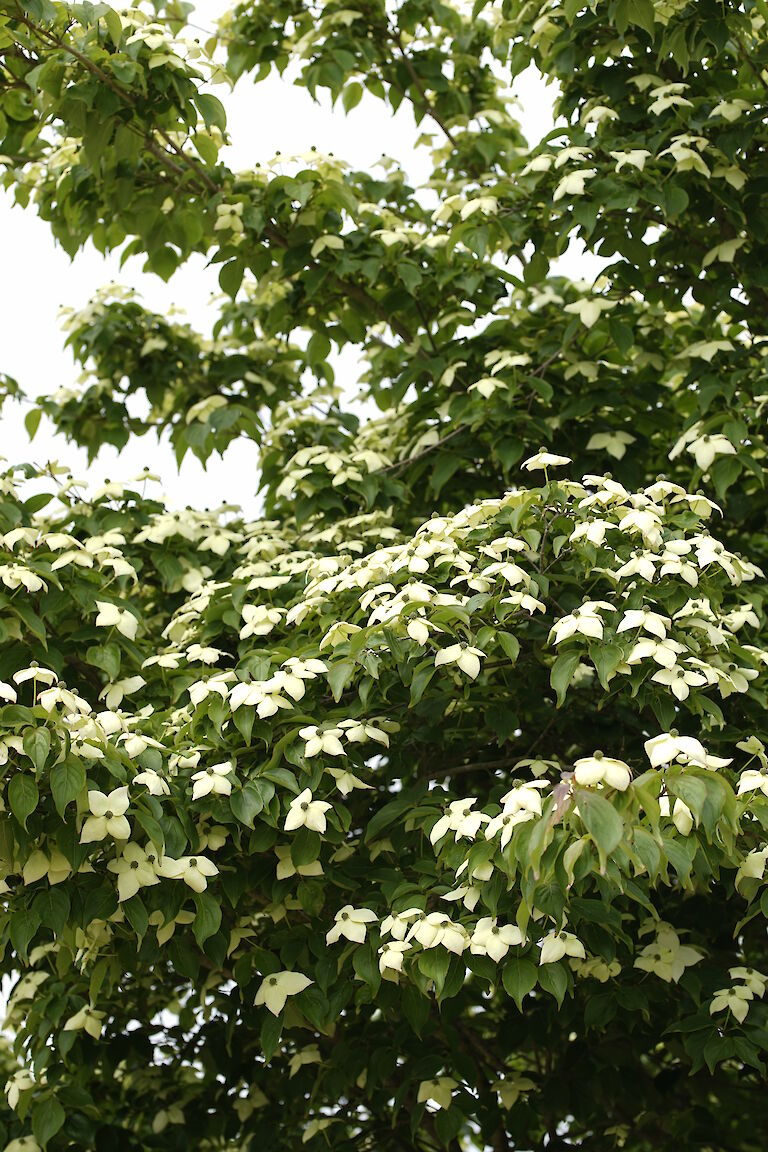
[304, 812]
[107, 816]
[276, 988]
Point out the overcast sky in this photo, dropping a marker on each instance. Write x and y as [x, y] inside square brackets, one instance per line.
[272, 116]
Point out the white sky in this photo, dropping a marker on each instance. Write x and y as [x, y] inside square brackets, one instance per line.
[262, 119]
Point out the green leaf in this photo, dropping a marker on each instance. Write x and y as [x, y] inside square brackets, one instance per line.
[107, 657]
[339, 675]
[47, 1118]
[641, 12]
[32, 421]
[446, 465]
[416, 1008]
[305, 847]
[434, 964]
[366, 965]
[270, 1035]
[606, 659]
[52, 907]
[562, 673]
[518, 978]
[208, 918]
[421, 679]
[212, 110]
[114, 26]
[152, 828]
[231, 277]
[247, 802]
[23, 797]
[553, 978]
[351, 96]
[37, 745]
[510, 644]
[24, 925]
[136, 914]
[318, 349]
[67, 781]
[601, 820]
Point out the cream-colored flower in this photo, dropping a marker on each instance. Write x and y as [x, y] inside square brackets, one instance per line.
[213, 780]
[556, 944]
[494, 940]
[107, 816]
[110, 616]
[463, 656]
[88, 1019]
[276, 989]
[135, 869]
[350, 922]
[195, 871]
[601, 769]
[304, 812]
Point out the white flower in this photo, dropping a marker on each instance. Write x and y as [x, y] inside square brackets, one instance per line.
[573, 183]
[584, 619]
[23, 1144]
[56, 867]
[135, 869]
[753, 865]
[635, 157]
[600, 769]
[276, 989]
[463, 656]
[543, 459]
[667, 958]
[87, 1019]
[614, 443]
[107, 816]
[682, 817]
[19, 1082]
[35, 672]
[113, 694]
[346, 781]
[663, 652]
[679, 680]
[753, 780]
[644, 618]
[391, 956]
[193, 870]
[7, 692]
[735, 1000]
[286, 867]
[153, 782]
[259, 620]
[350, 923]
[490, 939]
[706, 448]
[317, 741]
[669, 746]
[213, 779]
[438, 929]
[437, 1091]
[306, 812]
[589, 310]
[555, 945]
[460, 820]
[521, 804]
[110, 616]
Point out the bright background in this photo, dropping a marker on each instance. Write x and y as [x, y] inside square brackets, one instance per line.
[272, 116]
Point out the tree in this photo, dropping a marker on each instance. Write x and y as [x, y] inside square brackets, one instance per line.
[428, 811]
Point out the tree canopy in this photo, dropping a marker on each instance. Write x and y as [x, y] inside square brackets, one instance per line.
[428, 811]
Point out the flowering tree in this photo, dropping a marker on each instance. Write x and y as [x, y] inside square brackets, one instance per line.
[428, 811]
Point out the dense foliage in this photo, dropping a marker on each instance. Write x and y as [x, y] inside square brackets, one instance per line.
[430, 810]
